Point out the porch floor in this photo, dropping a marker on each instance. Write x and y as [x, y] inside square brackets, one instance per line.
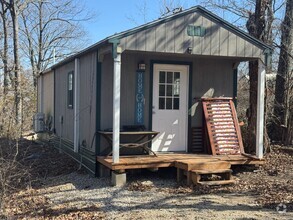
[168, 160]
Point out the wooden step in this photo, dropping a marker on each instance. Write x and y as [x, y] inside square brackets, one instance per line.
[192, 164]
[216, 183]
[202, 176]
[211, 171]
[209, 165]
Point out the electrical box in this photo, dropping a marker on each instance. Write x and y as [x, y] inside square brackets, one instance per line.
[39, 122]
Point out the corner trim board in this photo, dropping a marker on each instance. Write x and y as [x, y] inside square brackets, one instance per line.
[76, 103]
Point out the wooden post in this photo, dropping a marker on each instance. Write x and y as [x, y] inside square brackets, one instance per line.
[116, 107]
[260, 109]
[76, 104]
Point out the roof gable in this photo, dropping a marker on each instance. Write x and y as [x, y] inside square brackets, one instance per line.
[170, 35]
[232, 41]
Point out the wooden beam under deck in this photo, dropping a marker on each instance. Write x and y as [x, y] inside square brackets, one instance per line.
[168, 160]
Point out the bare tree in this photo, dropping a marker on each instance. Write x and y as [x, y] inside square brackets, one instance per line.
[51, 30]
[4, 54]
[4, 59]
[13, 7]
[283, 107]
[258, 25]
[259, 19]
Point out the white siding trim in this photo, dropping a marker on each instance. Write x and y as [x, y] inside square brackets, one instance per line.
[116, 107]
[260, 109]
[76, 104]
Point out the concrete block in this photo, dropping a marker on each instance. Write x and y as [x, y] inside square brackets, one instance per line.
[118, 179]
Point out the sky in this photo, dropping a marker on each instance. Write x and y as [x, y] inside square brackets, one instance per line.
[114, 16]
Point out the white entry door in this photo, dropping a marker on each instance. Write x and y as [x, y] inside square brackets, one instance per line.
[170, 107]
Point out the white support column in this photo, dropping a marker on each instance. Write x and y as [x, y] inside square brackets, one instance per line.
[76, 104]
[41, 94]
[116, 107]
[260, 109]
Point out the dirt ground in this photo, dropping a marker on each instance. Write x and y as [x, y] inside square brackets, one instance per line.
[58, 189]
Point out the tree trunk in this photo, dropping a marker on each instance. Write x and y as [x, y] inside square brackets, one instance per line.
[5, 51]
[259, 26]
[40, 42]
[17, 91]
[283, 90]
[5, 61]
[252, 111]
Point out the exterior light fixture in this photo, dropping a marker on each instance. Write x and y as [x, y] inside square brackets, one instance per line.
[141, 65]
[189, 50]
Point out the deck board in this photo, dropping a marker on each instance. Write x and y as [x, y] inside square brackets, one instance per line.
[168, 160]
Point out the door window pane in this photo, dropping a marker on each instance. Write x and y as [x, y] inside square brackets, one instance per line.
[162, 90]
[176, 90]
[169, 90]
[162, 77]
[161, 103]
[169, 77]
[176, 103]
[176, 75]
[168, 103]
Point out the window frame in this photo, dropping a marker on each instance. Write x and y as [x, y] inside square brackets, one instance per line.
[70, 93]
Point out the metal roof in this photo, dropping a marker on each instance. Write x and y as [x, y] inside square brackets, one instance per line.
[200, 9]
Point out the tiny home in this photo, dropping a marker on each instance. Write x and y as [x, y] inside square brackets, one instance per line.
[152, 78]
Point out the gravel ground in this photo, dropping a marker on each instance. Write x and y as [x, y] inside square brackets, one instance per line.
[155, 200]
[59, 190]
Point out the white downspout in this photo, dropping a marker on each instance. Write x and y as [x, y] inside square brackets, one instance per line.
[76, 104]
[41, 94]
[116, 107]
[260, 109]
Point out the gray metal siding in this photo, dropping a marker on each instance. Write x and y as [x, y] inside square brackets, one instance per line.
[107, 92]
[172, 37]
[47, 95]
[106, 112]
[87, 108]
[61, 108]
[208, 74]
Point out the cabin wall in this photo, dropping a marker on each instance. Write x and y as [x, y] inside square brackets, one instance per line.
[61, 109]
[172, 37]
[210, 77]
[87, 102]
[106, 91]
[46, 94]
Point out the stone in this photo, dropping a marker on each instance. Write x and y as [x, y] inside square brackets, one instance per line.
[118, 179]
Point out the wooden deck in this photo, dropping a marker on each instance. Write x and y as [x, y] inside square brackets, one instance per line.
[168, 160]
